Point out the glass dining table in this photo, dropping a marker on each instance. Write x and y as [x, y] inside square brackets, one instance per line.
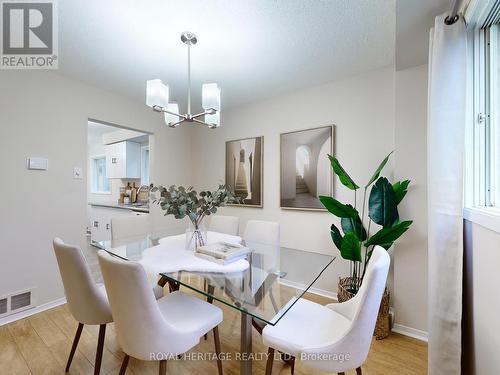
[273, 281]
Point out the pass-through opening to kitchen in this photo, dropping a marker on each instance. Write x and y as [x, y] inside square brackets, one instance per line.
[118, 177]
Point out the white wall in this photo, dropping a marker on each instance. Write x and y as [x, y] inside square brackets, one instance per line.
[481, 301]
[45, 114]
[410, 252]
[362, 108]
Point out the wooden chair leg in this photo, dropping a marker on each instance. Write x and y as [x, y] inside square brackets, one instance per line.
[217, 349]
[358, 371]
[163, 367]
[75, 344]
[292, 364]
[211, 290]
[100, 348]
[124, 364]
[258, 325]
[163, 281]
[270, 359]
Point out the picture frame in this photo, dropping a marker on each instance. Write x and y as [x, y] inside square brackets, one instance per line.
[305, 171]
[244, 170]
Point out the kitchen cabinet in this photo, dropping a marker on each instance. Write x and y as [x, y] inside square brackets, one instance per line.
[123, 160]
[100, 221]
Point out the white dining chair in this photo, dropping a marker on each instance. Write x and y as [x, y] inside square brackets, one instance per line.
[262, 232]
[87, 301]
[335, 337]
[129, 226]
[224, 224]
[154, 330]
[133, 226]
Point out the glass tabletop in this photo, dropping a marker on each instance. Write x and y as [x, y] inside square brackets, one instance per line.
[266, 286]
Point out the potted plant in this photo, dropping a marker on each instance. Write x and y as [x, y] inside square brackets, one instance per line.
[182, 202]
[356, 241]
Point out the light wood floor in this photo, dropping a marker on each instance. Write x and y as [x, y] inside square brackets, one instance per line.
[41, 343]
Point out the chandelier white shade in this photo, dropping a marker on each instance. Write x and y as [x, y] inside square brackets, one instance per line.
[172, 108]
[157, 93]
[210, 96]
[157, 97]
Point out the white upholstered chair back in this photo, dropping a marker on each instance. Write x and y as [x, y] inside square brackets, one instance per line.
[224, 224]
[263, 232]
[86, 301]
[129, 226]
[264, 238]
[362, 310]
[140, 326]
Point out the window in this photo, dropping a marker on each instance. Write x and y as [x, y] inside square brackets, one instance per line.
[485, 190]
[99, 182]
[145, 165]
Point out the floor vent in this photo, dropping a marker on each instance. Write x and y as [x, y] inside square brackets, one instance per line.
[16, 302]
[20, 301]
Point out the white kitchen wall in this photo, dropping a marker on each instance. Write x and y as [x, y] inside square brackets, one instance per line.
[96, 148]
[45, 114]
[361, 107]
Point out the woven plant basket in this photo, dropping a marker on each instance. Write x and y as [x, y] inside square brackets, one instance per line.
[383, 325]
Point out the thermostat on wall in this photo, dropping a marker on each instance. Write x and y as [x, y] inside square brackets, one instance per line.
[41, 164]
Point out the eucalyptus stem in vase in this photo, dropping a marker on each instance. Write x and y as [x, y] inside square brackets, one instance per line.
[180, 202]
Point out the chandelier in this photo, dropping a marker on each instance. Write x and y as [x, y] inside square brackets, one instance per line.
[157, 97]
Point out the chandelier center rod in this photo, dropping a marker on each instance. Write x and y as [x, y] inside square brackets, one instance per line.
[189, 39]
[189, 79]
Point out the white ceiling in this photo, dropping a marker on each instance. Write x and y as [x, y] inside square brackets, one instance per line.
[253, 49]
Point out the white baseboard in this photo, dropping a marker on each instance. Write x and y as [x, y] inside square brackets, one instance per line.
[35, 310]
[411, 332]
[317, 291]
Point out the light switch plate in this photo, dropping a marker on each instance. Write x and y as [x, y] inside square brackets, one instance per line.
[35, 163]
[77, 173]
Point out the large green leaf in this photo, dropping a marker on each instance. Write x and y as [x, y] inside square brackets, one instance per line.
[336, 236]
[382, 206]
[337, 208]
[400, 189]
[378, 170]
[354, 225]
[351, 249]
[343, 176]
[386, 236]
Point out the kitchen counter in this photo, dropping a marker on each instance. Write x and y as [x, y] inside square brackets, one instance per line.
[136, 207]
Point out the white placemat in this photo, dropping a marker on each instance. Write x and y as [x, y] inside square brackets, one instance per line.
[171, 256]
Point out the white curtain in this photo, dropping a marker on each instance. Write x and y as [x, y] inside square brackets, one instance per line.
[446, 130]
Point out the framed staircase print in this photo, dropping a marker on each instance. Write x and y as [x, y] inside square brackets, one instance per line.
[305, 171]
[244, 167]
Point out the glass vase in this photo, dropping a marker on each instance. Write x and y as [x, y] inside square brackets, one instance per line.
[196, 236]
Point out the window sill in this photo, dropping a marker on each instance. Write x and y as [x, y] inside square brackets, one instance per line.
[488, 217]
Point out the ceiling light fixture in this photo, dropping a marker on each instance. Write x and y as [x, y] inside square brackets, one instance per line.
[157, 97]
